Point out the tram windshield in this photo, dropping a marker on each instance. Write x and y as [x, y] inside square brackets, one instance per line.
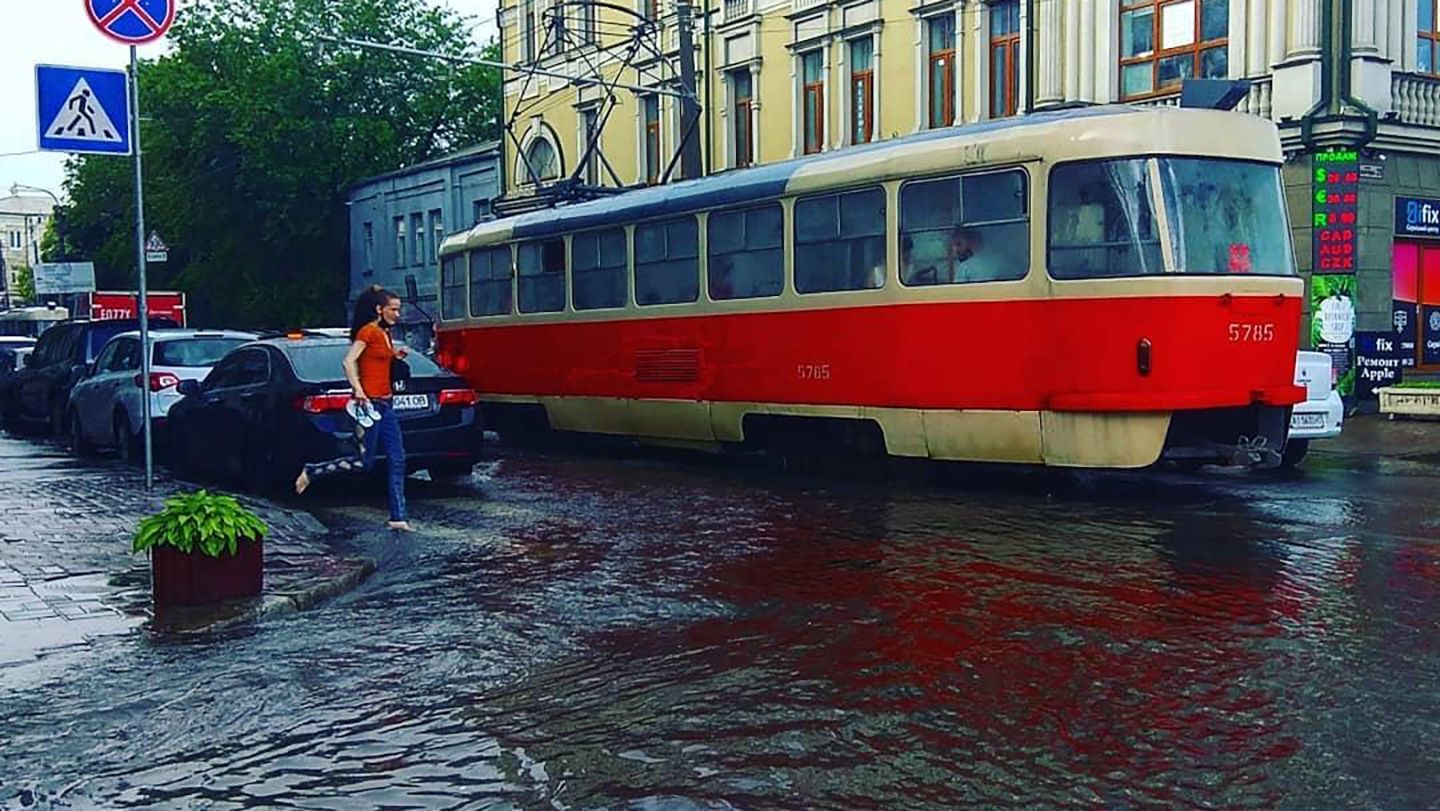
[1221, 217]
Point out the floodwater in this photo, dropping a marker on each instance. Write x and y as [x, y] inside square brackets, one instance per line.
[586, 631]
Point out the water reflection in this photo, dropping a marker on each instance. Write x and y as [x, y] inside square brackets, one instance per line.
[613, 633]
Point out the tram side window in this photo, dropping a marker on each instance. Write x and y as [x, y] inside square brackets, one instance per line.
[840, 242]
[1102, 222]
[973, 228]
[597, 262]
[746, 253]
[452, 287]
[540, 276]
[490, 281]
[667, 268]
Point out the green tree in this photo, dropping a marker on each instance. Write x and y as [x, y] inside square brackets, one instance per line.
[25, 284]
[255, 126]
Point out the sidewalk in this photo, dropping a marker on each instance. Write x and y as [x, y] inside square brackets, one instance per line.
[1376, 437]
[67, 575]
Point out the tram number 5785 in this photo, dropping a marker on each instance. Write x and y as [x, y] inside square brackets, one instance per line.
[812, 371]
[1252, 333]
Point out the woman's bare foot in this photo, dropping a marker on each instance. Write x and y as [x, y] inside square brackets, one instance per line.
[301, 482]
[400, 526]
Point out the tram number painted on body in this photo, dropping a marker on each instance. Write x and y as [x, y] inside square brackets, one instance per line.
[1252, 333]
[812, 371]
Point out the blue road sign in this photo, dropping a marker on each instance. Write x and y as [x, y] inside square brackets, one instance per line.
[83, 109]
[131, 22]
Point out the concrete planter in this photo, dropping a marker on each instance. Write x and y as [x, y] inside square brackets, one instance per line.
[1395, 400]
[194, 578]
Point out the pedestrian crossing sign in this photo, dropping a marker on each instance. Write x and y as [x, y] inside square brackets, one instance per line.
[83, 110]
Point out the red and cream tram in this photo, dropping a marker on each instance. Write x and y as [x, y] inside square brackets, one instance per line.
[1089, 288]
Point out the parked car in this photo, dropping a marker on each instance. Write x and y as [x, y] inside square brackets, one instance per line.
[105, 405]
[39, 394]
[272, 405]
[1321, 415]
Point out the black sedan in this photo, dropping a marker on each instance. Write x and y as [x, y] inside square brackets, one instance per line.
[269, 406]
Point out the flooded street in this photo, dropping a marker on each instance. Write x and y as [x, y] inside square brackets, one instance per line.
[588, 631]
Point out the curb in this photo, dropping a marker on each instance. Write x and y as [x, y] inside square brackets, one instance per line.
[341, 576]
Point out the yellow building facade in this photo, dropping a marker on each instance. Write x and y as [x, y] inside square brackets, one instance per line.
[777, 79]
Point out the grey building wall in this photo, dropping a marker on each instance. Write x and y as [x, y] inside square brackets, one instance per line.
[441, 197]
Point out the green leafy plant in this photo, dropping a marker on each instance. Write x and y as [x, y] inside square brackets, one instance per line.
[1419, 384]
[213, 524]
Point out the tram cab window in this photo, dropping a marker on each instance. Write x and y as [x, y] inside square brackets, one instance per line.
[490, 292]
[598, 260]
[667, 267]
[540, 276]
[746, 255]
[452, 286]
[1102, 221]
[1226, 216]
[973, 228]
[840, 242]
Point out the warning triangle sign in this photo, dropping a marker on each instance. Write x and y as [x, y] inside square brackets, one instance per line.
[83, 119]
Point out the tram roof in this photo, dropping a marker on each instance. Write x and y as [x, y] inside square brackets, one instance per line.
[763, 182]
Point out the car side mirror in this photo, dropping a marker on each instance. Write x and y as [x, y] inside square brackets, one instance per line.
[188, 388]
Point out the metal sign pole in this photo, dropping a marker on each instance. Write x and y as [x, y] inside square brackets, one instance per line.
[142, 309]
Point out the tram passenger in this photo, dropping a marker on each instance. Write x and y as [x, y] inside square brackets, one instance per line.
[969, 260]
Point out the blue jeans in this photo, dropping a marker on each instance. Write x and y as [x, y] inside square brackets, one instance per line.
[385, 433]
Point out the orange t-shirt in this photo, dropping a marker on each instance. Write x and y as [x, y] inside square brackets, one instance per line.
[375, 360]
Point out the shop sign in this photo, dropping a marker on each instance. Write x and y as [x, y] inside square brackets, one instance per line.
[1336, 210]
[1332, 325]
[1377, 362]
[1417, 217]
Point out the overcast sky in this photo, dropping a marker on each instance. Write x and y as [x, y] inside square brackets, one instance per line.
[58, 32]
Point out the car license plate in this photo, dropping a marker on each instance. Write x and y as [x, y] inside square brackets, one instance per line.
[411, 402]
[1307, 421]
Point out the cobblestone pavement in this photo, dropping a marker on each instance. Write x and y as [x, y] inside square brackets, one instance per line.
[67, 575]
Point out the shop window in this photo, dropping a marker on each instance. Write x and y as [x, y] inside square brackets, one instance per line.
[840, 241]
[1164, 42]
[746, 257]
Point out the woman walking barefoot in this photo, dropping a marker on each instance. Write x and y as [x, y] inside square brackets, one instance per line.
[367, 368]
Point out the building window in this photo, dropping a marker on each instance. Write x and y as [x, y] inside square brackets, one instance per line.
[812, 76]
[1164, 42]
[746, 257]
[399, 242]
[588, 27]
[437, 233]
[941, 78]
[417, 239]
[590, 147]
[490, 281]
[540, 276]
[452, 287]
[1004, 58]
[1428, 50]
[652, 138]
[598, 262]
[527, 31]
[965, 229]
[667, 270]
[740, 111]
[541, 162]
[862, 91]
[650, 8]
[369, 246]
[479, 211]
[15, 240]
[840, 241]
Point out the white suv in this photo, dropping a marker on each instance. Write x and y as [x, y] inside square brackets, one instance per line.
[105, 405]
[1322, 413]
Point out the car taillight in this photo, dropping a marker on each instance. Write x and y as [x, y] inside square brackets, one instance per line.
[159, 381]
[463, 397]
[321, 403]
